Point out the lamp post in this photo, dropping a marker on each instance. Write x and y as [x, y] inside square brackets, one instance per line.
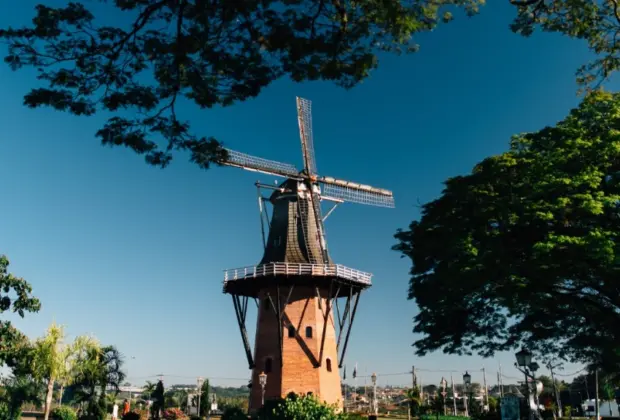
[444, 393]
[373, 378]
[525, 365]
[262, 380]
[467, 383]
[199, 382]
[533, 368]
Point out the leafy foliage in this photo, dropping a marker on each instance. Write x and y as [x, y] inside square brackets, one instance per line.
[15, 296]
[213, 53]
[207, 53]
[234, 413]
[104, 371]
[54, 361]
[525, 248]
[596, 22]
[158, 400]
[302, 408]
[205, 402]
[132, 415]
[63, 413]
[174, 414]
[16, 391]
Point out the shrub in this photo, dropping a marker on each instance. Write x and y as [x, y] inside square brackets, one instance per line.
[302, 408]
[64, 413]
[174, 414]
[234, 413]
[132, 415]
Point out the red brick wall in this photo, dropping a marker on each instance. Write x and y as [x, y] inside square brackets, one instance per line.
[299, 373]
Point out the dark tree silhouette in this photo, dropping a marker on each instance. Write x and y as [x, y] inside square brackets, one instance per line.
[218, 52]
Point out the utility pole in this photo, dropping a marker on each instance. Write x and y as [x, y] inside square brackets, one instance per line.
[500, 381]
[486, 390]
[413, 386]
[555, 388]
[596, 408]
[453, 393]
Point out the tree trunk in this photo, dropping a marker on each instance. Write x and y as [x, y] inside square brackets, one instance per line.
[62, 390]
[48, 398]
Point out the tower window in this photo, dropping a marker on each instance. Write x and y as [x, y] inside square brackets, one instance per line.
[291, 331]
[308, 332]
[268, 365]
[328, 364]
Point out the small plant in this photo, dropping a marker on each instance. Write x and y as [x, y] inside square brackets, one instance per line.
[174, 414]
[63, 413]
[567, 410]
[132, 415]
[234, 413]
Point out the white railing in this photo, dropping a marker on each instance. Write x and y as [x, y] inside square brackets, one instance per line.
[291, 269]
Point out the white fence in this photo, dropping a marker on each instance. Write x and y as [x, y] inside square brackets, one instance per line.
[290, 269]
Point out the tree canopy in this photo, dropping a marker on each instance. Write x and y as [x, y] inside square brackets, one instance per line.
[155, 54]
[15, 296]
[524, 250]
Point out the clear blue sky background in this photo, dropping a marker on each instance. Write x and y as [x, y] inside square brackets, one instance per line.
[134, 254]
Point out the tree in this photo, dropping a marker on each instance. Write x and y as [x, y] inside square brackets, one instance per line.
[413, 400]
[104, 371]
[17, 390]
[301, 408]
[524, 250]
[209, 53]
[205, 403]
[15, 296]
[149, 388]
[219, 53]
[158, 400]
[56, 362]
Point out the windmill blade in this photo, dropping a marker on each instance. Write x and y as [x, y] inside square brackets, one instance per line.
[356, 193]
[304, 118]
[256, 164]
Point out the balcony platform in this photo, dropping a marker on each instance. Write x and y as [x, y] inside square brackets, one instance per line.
[248, 281]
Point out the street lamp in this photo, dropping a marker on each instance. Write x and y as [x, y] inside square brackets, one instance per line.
[467, 379]
[525, 365]
[524, 358]
[199, 382]
[373, 378]
[444, 383]
[467, 383]
[262, 381]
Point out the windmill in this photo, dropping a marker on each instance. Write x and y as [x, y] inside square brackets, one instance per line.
[296, 285]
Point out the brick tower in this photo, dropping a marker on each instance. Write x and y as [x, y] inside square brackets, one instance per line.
[302, 331]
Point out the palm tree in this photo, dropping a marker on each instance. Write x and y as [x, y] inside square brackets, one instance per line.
[148, 390]
[104, 371]
[53, 361]
[413, 401]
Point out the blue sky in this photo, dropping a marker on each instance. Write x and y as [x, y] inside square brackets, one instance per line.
[134, 254]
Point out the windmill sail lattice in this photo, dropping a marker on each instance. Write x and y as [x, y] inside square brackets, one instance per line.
[300, 338]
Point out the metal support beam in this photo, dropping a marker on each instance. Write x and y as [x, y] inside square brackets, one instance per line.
[330, 211]
[328, 311]
[278, 309]
[352, 317]
[241, 315]
[343, 320]
[260, 214]
[278, 314]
